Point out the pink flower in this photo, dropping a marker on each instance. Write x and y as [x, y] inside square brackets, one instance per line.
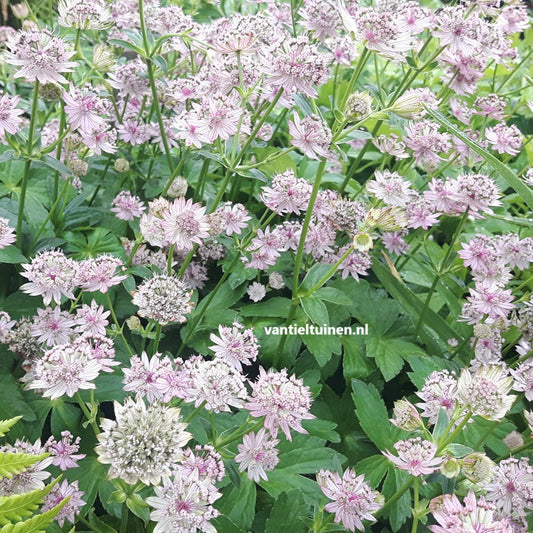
[504, 139]
[283, 401]
[185, 223]
[91, 320]
[312, 135]
[439, 392]
[86, 111]
[416, 456]
[64, 451]
[64, 369]
[40, 56]
[127, 206]
[491, 300]
[353, 499]
[99, 273]
[288, 193]
[236, 345]
[10, 120]
[257, 455]
[72, 508]
[7, 233]
[50, 275]
[53, 326]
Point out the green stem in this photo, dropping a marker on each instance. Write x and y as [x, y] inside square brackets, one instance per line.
[195, 412]
[199, 193]
[24, 186]
[520, 449]
[124, 519]
[87, 414]
[353, 80]
[237, 434]
[119, 331]
[153, 88]
[330, 272]
[415, 507]
[455, 432]
[395, 497]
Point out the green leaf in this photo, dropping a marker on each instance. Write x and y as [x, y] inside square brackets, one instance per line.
[413, 305]
[98, 526]
[322, 346]
[355, 363]
[333, 295]
[372, 414]
[238, 503]
[387, 359]
[316, 310]
[16, 507]
[11, 254]
[6, 424]
[313, 276]
[11, 399]
[54, 164]
[401, 510]
[291, 504]
[374, 469]
[36, 524]
[273, 307]
[503, 170]
[12, 464]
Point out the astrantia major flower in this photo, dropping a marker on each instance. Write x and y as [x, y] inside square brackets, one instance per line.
[64, 370]
[416, 456]
[311, 135]
[486, 391]
[235, 345]
[257, 455]
[40, 56]
[7, 233]
[86, 111]
[353, 499]
[511, 488]
[99, 273]
[50, 275]
[64, 451]
[185, 223]
[10, 120]
[144, 443]
[183, 503]
[83, 15]
[72, 508]
[288, 193]
[472, 516]
[126, 206]
[284, 402]
[163, 299]
[391, 188]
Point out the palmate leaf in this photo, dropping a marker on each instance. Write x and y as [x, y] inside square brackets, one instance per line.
[12, 464]
[36, 524]
[6, 424]
[19, 506]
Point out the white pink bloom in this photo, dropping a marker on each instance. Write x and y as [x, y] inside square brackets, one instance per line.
[64, 451]
[236, 345]
[353, 498]
[416, 456]
[257, 455]
[284, 402]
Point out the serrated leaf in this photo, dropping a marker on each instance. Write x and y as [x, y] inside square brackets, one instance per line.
[291, 504]
[12, 464]
[316, 310]
[503, 170]
[333, 295]
[238, 503]
[374, 469]
[19, 506]
[36, 524]
[11, 255]
[6, 424]
[372, 414]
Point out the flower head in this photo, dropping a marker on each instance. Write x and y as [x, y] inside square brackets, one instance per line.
[284, 402]
[163, 299]
[416, 456]
[353, 499]
[236, 345]
[257, 455]
[144, 443]
[72, 508]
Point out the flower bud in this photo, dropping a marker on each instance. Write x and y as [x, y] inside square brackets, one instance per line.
[103, 57]
[21, 11]
[134, 323]
[406, 416]
[450, 467]
[50, 92]
[121, 165]
[358, 106]
[513, 440]
[275, 280]
[409, 106]
[78, 167]
[363, 242]
[478, 467]
[386, 218]
[178, 187]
